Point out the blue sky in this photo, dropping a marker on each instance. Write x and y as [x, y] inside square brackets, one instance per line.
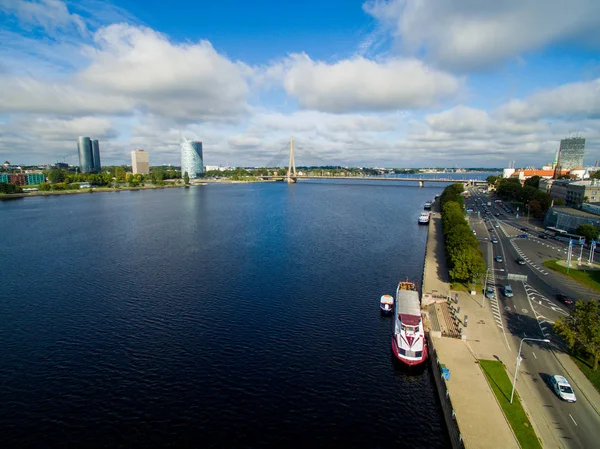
[396, 83]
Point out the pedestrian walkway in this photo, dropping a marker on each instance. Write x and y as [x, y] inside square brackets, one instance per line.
[480, 420]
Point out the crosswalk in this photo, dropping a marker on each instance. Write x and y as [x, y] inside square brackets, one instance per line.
[493, 301]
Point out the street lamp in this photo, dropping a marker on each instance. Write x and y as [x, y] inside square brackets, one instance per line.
[545, 340]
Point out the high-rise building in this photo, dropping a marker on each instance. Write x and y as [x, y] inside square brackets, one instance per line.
[139, 162]
[86, 158]
[96, 156]
[571, 153]
[191, 158]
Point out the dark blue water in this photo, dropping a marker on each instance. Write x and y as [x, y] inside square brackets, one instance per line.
[217, 316]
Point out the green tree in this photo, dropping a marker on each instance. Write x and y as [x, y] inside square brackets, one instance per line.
[186, 178]
[492, 180]
[581, 329]
[589, 231]
[120, 174]
[534, 181]
[56, 175]
[467, 263]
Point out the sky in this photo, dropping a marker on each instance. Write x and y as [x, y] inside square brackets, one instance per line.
[378, 83]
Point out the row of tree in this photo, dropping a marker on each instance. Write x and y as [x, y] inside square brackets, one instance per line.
[9, 188]
[465, 260]
[581, 329]
[510, 189]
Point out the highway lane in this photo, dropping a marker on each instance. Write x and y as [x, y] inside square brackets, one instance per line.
[530, 313]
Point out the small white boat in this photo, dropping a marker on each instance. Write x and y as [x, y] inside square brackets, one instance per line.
[427, 205]
[424, 218]
[386, 304]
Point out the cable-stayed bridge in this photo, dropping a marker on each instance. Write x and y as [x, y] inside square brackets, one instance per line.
[292, 175]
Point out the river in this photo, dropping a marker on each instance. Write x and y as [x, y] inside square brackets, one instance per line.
[233, 315]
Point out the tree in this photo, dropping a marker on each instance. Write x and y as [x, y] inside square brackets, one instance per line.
[581, 328]
[56, 175]
[120, 174]
[492, 180]
[589, 231]
[467, 264]
[186, 178]
[534, 181]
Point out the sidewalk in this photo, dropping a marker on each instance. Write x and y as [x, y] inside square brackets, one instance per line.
[480, 419]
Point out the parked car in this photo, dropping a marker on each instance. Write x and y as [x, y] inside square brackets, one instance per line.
[524, 229]
[489, 292]
[562, 388]
[522, 236]
[564, 299]
[521, 261]
[508, 291]
[499, 259]
[543, 236]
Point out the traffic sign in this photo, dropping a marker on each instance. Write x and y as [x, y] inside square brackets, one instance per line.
[517, 277]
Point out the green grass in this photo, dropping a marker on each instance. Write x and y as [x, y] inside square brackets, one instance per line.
[501, 385]
[585, 364]
[589, 278]
[460, 287]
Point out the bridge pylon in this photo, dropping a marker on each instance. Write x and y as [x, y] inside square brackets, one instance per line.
[291, 173]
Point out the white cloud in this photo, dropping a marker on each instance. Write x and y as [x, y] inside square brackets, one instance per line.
[361, 84]
[51, 15]
[572, 100]
[466, 34]
[187, 81]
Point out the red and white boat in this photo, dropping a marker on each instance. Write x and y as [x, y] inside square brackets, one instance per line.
[408, 342]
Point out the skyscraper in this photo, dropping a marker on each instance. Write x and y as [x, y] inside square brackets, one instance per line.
[86, 158]
[191, 158]
[571, 153]
[96, 156]
[139, 162]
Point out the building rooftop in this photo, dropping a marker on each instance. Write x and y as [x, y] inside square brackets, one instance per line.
[575, 212]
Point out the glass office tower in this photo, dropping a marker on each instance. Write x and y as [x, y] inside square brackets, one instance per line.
[571, 153]
[86, 158]
[191, 158]
[96, 156]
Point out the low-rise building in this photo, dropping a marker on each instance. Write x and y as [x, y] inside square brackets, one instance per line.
[575, 193]
[570, 219]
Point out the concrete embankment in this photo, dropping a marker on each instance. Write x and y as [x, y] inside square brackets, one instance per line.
[472, 414]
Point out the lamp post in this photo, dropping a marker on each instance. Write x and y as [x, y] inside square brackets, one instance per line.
[545, 340]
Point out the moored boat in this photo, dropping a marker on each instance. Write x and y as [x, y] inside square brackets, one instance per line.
[386, 304]
[408, 342]
[427, 205]
[424, 218]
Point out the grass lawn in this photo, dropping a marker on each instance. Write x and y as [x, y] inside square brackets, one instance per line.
[502, 387]
[589, 278]
[585, 364]
[460, 287]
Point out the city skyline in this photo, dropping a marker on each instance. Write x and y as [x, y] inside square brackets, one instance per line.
[387, 84]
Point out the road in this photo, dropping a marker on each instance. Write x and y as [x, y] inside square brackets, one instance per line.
[530, 313]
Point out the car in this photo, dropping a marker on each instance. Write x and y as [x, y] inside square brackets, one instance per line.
[497, 214]
[524, 229]
[489, 292]
[562, 388]
[564, 299]
[474, 233]
[543, 236]
[499, 259]
[494, 240]
[496, 225]
[522, 236]
[508, 291]
[521, 261]
[491, 229]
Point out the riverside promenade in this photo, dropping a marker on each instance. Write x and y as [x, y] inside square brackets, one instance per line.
[480, 419]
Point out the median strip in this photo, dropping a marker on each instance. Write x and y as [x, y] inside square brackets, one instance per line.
[501, 385]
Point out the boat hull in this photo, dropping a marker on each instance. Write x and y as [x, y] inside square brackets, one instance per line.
[405, 360]
[423, 222]
[386, 311]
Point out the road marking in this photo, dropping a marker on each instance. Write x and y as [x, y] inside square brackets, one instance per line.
[535, 356]
[573, 419]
